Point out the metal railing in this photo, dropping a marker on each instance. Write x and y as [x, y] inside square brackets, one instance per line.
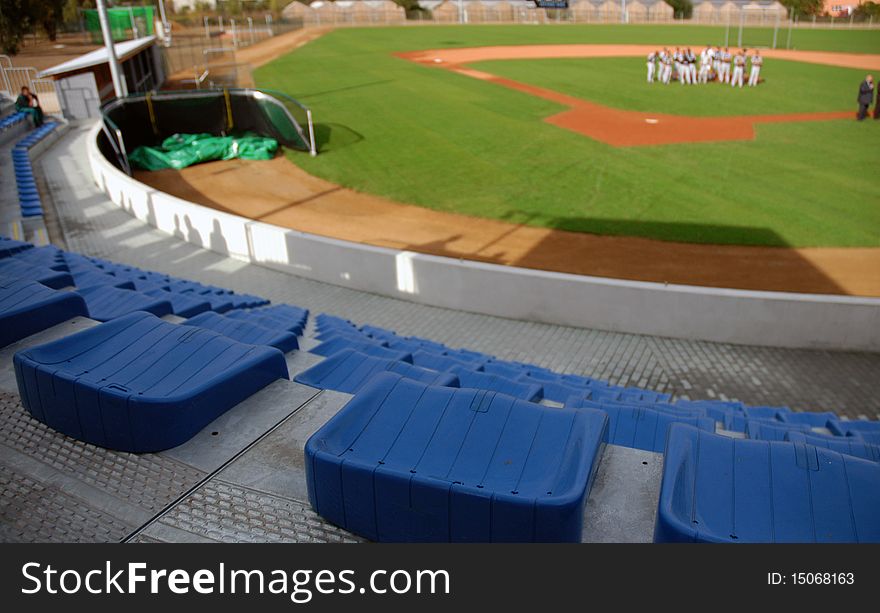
[300, 116]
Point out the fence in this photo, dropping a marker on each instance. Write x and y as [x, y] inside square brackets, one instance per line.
[13, 78]
[205, 56]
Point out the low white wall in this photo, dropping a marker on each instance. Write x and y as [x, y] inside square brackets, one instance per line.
[735, 316]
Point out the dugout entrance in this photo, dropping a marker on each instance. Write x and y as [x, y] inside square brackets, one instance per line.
[147, 119]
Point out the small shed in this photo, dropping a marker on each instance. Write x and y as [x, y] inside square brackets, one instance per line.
[84, 83]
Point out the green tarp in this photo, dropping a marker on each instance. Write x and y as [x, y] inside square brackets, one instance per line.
[182, 150]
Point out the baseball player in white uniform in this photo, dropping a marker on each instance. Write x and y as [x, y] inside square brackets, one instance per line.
[739, 66]
[652, 57]
[705, 63]
[757, 62]
[667, 67]
[724, 66]
[692, 67]
[676, 58]
[716, 62]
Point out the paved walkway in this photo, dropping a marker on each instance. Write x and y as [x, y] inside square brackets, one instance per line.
[848, 383]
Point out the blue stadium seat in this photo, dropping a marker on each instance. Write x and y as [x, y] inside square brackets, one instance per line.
[404, 461]
[765, 430]
[841, 444]
[28, 307]
[815, 420]
[56, 279]
[367, 347]
[244, 331]
[275, 321]
[90, 278]
[436, 361]
[532, 392]
[868, 431]
[106, 302]
[720, 489]
[140, 384]
[348, 371]
[642, 427]
[10, 246]
[182, 305]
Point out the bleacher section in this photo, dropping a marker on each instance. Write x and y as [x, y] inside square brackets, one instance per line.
[28, 194]
[435, 443]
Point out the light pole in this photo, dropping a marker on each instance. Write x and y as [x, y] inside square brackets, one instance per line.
[119, 85]
[164, 19]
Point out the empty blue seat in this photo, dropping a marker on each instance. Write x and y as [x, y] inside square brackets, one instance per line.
[27, 307]
[140, 384]
[288, 310]
[247, 301]
[436, 361]
[643, 427]
[90, 278]
[270, 320]
[815, 420]
[764, 430]
[557, 391]
[532, 392]
[10, 246]
[56, 279]
[505, 370]
[377, 332]
[840, 444]
[348, 371]
[106, 302]
[868, 431]
[367, 347]
[182, 305]
[403, 461]
[720, 489]
[244, 331]
[411, 346]
[324, 333]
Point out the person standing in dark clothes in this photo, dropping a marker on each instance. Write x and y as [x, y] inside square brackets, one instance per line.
[866, 97]
[877, 105]
[30, 104]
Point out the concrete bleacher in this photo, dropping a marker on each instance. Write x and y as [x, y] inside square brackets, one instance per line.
[443, 443]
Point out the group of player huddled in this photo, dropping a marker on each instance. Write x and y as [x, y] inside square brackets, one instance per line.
[715, 64]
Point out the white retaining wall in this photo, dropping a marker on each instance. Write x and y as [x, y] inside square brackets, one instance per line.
[723, 315]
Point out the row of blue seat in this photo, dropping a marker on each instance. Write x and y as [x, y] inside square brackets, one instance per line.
[28, 194]
[108, 290]
[785, 482]
[11, 120]
[437, 443]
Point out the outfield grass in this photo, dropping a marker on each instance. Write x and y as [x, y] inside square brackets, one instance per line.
[433, 138]
[790, 87]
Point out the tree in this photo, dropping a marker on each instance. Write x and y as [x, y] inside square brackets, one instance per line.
[51, 15]
[15, 21]
[866, 10]
[804, 8]
[682, 9]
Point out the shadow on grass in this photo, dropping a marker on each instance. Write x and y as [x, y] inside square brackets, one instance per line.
[330, 137]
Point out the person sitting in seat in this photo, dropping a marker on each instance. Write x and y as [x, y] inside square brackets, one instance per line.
[28, 102]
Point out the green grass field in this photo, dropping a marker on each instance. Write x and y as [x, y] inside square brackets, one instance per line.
[432, 138]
